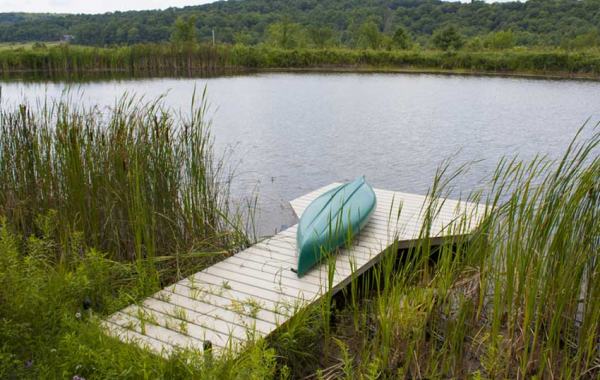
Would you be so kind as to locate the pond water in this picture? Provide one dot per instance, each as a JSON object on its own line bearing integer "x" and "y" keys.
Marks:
{"x": 291, "y": 133}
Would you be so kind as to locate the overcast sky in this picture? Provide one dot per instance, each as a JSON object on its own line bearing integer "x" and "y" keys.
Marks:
{"x": 91, "y": 6}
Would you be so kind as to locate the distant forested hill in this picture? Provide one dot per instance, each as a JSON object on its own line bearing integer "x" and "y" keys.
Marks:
{"x": 535, "y": 22}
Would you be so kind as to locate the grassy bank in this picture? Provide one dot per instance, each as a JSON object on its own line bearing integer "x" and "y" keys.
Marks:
{"x": 27, "y": 45}
{"x": 153, "y": 58}
{"x": 93, "y": 201}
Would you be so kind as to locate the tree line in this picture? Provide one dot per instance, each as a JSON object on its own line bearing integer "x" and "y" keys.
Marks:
{"x": 374, "y": 24}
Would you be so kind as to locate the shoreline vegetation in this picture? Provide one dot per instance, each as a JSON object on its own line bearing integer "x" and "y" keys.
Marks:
{"x": 137, "y": 181}
{"x": 208, "y": 59}
{"x": 100, "y": 208}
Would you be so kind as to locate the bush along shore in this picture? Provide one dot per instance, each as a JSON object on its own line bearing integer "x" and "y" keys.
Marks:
{"x": 156, "y": 58}
{"x": 98, "y": 207}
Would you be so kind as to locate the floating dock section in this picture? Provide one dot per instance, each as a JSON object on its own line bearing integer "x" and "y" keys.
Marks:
{"x": 248, "y": 295}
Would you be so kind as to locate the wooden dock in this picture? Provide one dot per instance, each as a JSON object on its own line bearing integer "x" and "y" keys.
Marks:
{"x": 248, "y": 295}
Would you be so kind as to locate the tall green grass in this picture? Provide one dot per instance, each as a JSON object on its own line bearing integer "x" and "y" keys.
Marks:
{"x": 46, "y": 333}
{"x": 156, "y": 58}
{"x": 142, "y": 57}
{"x": 137, "y": 181}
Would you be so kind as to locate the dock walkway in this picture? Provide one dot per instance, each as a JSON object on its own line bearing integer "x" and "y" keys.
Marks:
{"x": 248, "y": 295}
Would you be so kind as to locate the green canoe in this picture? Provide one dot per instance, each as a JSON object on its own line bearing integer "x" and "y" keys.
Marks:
{"x": 331, "y": 219}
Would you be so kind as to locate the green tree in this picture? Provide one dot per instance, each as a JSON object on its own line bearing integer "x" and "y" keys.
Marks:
{"x": 474, "y": 44}
{"x": 243, "y": 37}
{"x": 121, "y": 35}
{"x": 133, "y": 35}
{"x": 320, "y": 37}
{"x": 588, "y": 40}
{"x": 369, "y": 36}
{"x": 448, "y": 38}
{"x": 500, "y": 40}
{"x": 184, "y": 31}
{"x": 401, "y": 38}
{"x": 534, "y": 23}
{"x": 284, "y": 34}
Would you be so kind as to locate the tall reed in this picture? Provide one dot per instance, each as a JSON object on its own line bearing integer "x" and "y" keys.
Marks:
{"x": 167, "y": 58}
{"x": 137, "y": 180}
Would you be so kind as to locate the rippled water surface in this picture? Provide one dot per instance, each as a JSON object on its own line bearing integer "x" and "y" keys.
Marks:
{"x": 292, "y": 133}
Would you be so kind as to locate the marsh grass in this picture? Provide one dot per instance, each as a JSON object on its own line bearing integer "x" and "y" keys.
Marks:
{"x": 138, "y": 180}
{"x": 205, "y": 58}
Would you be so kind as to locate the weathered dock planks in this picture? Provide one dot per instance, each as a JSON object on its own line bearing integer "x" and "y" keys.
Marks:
{"x": 248, "y": 295}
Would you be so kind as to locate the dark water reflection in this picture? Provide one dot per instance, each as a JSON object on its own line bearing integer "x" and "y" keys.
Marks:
{"x": 83, "y": 77}
{"x": 292, "y": 133}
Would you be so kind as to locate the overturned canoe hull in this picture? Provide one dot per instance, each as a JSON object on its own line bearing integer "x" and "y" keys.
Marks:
{"x": 333, "y": 219}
